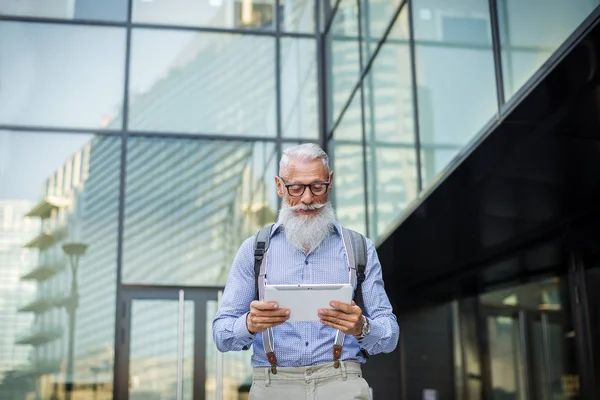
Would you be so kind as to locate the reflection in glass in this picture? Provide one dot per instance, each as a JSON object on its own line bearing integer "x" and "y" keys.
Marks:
{"x": 153, "y": 352}
{"x": 190, "y": 82}
{"x": 348, "y": 166}
{"x": 456, "y": 85}
{"x": 189, "y": 205}
{"x": 106, "y": 10}
{"x": 228, "y": 14}
{"x": 531, "y": 341}
{"x": 344, "y": 59}
{"x": 237, "y": 370}
{"x": 391, "y": 153}
{"x": 62, "y": 189}
{"x": 525, "y": 45}
{"x": 506, "y": 358}
{"x": 299, "y": 97}
{"x": 298, "y": 15}
{"x": 44, "y": 84}
{"x": 376, "y": 17}
{"x": 349, "y": 189}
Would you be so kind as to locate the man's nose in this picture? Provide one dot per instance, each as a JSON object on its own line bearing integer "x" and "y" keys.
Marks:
{"x": 307, "y": 196}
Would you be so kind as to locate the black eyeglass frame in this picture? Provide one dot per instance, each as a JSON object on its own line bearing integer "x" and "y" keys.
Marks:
{"x": 287, "y": 186}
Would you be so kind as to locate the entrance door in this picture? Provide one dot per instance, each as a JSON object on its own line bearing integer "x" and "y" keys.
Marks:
{"x": 164, "y": 338}
{"x": 527, "y": 353}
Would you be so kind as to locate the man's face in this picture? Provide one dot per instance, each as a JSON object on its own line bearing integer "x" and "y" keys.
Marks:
{"x": 304, "y": 172}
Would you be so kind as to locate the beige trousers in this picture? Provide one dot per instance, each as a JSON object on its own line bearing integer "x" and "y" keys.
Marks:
{"x": 320, "y": 382}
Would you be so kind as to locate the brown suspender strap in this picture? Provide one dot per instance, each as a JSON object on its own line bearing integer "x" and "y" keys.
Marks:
{"x": 273, "y": 361}
{"x": 337, "y": 353}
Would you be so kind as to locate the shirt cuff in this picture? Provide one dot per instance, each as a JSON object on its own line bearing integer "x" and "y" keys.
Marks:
{"x": 373, "y": 337}
{"x": 241, "y": 333}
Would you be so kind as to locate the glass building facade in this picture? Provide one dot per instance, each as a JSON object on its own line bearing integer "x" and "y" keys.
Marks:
{"x": 139, "y": 140}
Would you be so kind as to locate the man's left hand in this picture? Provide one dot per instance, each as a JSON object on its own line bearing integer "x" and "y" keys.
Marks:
{"x": 345, "y": 317}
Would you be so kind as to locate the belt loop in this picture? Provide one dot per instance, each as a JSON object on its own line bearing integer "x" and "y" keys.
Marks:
{"x": 267, "y": 377}
{"x": 344, "y": 373}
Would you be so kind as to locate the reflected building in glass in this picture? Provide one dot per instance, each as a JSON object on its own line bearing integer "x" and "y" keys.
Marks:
{"x": 17, "y": 287}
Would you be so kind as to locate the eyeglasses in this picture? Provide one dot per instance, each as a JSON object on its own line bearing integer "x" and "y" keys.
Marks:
{"x": 297, "y": 189}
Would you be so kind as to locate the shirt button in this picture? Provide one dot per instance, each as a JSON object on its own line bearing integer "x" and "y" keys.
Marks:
{"x": 306, "y": 262}
{"x": 309, "y": 372}
{"x": 306, "y": 343}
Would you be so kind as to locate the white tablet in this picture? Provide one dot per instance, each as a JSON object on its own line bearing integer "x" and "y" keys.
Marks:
{"x": 304, "y": 301}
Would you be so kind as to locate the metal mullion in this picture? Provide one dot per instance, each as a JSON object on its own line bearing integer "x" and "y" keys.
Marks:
{"x": 148, "y": 134}
{"x": 497, "y": 54}
{"x": 50, "y": 130}
{"x": 581, "y": 321}
{"x": 415, "y": 98}
{"x": 60, "y": 21}
{"x": 121, "y": 361}
{"x": 277, "y": 17}
{"x": 371, "y": 102}
{"x": 362, "y": 119}
{"x": 121, "y": 358}
{"x": 278, "y": 133}
{"x": 322, "y": 81}
{"x": 365, "y": 71}
{"x": 113, "y": 24}
{"x": 331, "y": 16}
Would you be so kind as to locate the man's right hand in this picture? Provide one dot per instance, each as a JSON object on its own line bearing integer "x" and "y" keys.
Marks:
{"x": 264, "y": 315}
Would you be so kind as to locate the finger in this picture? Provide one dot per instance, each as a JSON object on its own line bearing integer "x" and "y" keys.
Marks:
{"x": 281, "y": 312}
{"x": 263, "y": 305}
{"x": 337, "y": 323}
{"x": 263, "y": 327}
{"x": 325, "y": 312}
{"x": 269, "y": 319}
{"x": 347, "y": 308}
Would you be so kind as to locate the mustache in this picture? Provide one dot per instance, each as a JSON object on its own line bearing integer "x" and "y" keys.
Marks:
{"x": 307, "y": 207}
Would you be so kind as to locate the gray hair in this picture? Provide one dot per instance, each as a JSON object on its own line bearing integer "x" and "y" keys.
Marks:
{"x": 304, "y": 152}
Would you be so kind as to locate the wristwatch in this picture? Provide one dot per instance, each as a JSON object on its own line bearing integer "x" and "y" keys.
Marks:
{"x": 366, "y": 328}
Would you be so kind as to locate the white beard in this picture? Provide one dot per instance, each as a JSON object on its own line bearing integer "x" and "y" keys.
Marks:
{"x": 306, "y": 232}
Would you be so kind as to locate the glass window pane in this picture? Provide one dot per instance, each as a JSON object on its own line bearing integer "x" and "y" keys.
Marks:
{"x": 153, "y": 349}
{"x": 455, "y": 74}
{"x": 190, "y": 204}
{"x": 59, "y": 75}
{"x": 105, "y": 10}
{"x": 299, "y": 96}
{"x": 344, "y": 58}
{"x": 389, "y": 119}
{"x": 530, "y": 31}
{"x": 376, "y": 17}
{"x": 350, "y": 128}
{"x": 189, "y": 82}
{"x": 58, "y": 189}
{"x": 230, "y": 14}
{"x": 346, "y": 152}
{"x": 542, "y": 310}
{"x": 349, "y": 186}
{"x": 298, "y": 16}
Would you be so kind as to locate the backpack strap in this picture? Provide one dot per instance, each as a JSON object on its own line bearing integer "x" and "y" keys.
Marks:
{"x": 359, "y": 250}
{"x": 356, "y": 249}
{"x": 261, "y": 245}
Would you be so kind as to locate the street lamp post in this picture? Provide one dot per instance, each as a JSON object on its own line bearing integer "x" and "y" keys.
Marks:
{"x": 74, "y": 251}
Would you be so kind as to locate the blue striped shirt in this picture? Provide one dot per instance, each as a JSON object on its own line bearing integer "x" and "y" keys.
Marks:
{"x": 302, "y": 343}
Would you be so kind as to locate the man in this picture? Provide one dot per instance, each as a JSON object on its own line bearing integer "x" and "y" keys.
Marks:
{"x": 306, "y": 246}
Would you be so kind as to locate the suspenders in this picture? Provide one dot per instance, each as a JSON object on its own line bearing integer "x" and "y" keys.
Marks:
{"x": 355, "y": 247}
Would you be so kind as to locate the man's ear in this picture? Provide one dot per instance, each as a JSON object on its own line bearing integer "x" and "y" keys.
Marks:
{"x": 279, "y": 186}
{"x": 330, "y": 180}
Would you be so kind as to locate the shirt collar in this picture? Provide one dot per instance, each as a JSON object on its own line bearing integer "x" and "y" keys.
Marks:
{"x": 277, "y": 227}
